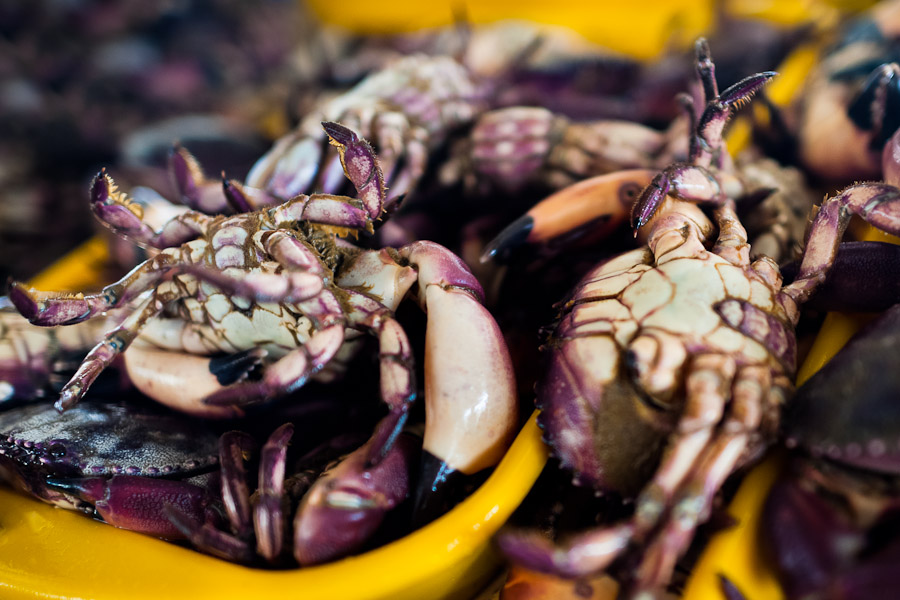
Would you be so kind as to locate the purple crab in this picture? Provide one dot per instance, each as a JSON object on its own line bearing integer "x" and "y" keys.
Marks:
{"x": 669, "y": 365}
{"x": 277, "y": 289}
{"x": 132, "y": 456}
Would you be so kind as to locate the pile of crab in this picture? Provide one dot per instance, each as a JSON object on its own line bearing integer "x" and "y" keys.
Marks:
{"x": 662, "y": 362}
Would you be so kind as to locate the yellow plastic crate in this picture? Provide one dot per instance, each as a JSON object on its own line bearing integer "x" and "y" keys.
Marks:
{"x": 47, "y": 552}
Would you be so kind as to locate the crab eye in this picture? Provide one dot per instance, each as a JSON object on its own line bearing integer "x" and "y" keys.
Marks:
{"x": 628, "y": 192}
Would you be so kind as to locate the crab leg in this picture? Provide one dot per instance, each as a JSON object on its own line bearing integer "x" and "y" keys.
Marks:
{"x": 235, "y": 494}
{"x": 707, "y": 385}
{"x": 877, "y": 204}
{"x": 693, "y": 501}
{"x": 138, "y": 503}
{"x": 470, "y": 393}
{"x": 114, "y": 343}
{"x": 398, "y": 385}
{"x": 596, "y": 206}
{"x": 54, "y": 308}
{"x": 707, "y": 389}
{"x": 732, "y": 241}
{"x": 213, "y": 197}
{"x": 268, "y": 516}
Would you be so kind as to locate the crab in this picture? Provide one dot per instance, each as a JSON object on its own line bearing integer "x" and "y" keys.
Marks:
{"x": 408, "y": 108}
{"x": 830, "y": 520}
{"x": 850, "y": 102}
{"x": 512, "y": 148}
{"x": 136, "y": 458}
{"x": 669, "y": 364}
{"x": 276, "y": 288}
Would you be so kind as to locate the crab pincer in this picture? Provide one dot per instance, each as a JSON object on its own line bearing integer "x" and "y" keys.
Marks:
{"x": 471, "y": 410}
{"x": 593, "y": 207}
{"x": 348, "y": 503}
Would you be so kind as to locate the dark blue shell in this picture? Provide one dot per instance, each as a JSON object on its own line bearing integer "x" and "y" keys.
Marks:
{"x": 96, "y": 438}
{"x": 850, "y": 410}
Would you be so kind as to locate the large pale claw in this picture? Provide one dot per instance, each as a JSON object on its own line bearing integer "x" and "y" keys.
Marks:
{"x": 347, "y": 504}
{"x": 182, "y": 381}
{"x": 593, "y": 207}
{"x": 470, "y": 393}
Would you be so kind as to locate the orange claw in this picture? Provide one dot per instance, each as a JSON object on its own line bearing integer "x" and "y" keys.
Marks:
{"x": 601, "y": 203}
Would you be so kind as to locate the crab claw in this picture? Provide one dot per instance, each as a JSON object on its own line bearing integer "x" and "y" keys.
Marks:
{"x": 348, "y": 503}
{"x": 360, "y": 166}
{"x": 181, "y": 381}
{"x": 651, "y": 198}
{"x": 877, "y": 106}
{"x": 137, "y": 503}
{"x": 194, "y": 188}
{"x": 115, "y": 210}
{"x": 46, "y": 309}
{"x": 593, "y": 207}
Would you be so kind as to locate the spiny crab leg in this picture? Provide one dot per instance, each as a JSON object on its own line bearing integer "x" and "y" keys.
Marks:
{"x": 876, "y": 203}
{"x": 707, "y": 148}
{"x": 694, "y": 181}
{"x": 470, "y": 392}
{"x": 138, "y": 503}
{"x": 599, "y": 204}
{"x": 363, "y": 171}
{"x": 397, "y": 376}
{"x": 348, "y": 503}
{"x": 126, "y": 217}
{"x": 114, "y": 343}
{"x": 53, "y": 308}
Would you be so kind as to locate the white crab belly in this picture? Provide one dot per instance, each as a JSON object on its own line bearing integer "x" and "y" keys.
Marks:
{"x": 681, "y": 296}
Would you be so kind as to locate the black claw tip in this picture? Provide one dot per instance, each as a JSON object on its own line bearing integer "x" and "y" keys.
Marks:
{"x": 877, "y": 104}
{"x": 338, "y": 133}
{"x": 513, "y": 235}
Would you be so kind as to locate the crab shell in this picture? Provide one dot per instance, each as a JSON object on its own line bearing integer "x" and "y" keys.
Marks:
{"x": 847, "y": 412}
{"x": 99, "y": 440}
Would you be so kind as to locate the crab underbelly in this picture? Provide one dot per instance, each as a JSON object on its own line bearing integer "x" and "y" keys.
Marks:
{"x": 272, "y": 326}
{"x": 684, "y": 298}
{"x": 222, "y": 324}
